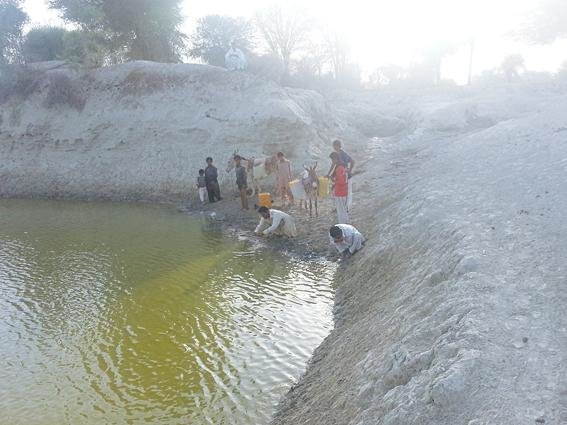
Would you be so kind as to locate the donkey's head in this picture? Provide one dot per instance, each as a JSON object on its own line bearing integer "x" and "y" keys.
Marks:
{"x": 312, "y": 178}
{"x": 230, "y": 163}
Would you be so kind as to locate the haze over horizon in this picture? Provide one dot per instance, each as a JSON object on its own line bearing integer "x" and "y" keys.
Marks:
{"x": 385, "y": 32}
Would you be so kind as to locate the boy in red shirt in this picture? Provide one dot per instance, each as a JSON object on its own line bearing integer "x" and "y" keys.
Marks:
{"x": 339, "y": 177}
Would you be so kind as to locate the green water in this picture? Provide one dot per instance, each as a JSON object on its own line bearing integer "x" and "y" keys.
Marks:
{"x": 114, "y": 314}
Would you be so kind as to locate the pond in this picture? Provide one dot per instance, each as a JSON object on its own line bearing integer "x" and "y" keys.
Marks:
{"x": 130, "y": 313}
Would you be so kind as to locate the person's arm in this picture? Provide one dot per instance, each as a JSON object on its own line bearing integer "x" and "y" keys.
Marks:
{"x": 276, "y": 220}
{"x": 331, "y": 170}
{"x": 332, "y": 241}
{"x": 340, "y": 248}
{"x": 352, "y": 247}
{"x": 215, "y": 173}
{"x": 350, "y": 166}
{"x": 259, "y": 227}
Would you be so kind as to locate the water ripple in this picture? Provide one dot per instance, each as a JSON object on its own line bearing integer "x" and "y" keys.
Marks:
{"x": 135, "y": 314}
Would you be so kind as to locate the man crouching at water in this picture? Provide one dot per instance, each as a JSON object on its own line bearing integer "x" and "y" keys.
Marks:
{"x": 346, "y": 238}
{"x": 275, "y": 222}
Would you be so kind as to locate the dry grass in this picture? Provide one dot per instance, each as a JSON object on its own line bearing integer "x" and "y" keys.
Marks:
{"x": 138, "y": 83}
{"x": 19, "y": 83}
{"x": 62, "y": 91}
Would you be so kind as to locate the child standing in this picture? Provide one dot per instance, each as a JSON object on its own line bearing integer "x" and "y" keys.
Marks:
{"x": 241, "y": 182}
{"x": 202, "y": 186}
{"x": 283, "y": 178}
{"x": 340, "y": 189}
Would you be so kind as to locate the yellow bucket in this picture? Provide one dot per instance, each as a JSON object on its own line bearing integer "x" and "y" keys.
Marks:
{"x": 265, "y": 200}
{"x": 323, "y": 191}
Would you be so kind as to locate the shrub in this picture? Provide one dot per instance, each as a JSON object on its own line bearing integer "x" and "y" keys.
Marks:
{"x": 84, "y": 48}
{"x": 266, "y": 66}
{"x": 43, "y": 44}
{"x": 62, "y": 91}
{"x": 140, "y": 82}
{"x": 18, "y": 82}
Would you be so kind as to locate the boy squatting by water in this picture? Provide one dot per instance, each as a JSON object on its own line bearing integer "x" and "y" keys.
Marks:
{"x": 275, "y": 222}
{"x": 346, "y": 238}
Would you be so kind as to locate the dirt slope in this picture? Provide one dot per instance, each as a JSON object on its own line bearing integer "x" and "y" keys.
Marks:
{"x": 454, "y": 312}
{"x": 142, "y": 130}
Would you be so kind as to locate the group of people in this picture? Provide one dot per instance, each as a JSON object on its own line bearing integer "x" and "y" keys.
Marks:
{"x": 345, "y": 237}
{"x": 208, "y": 183}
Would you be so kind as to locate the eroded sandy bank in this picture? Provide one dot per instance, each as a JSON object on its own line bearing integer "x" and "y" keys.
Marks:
{"x": 454, "y": 311}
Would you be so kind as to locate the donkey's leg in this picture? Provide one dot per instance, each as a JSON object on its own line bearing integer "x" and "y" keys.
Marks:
{"x": 316, "y": 208}
{"x": 255, "y": 188}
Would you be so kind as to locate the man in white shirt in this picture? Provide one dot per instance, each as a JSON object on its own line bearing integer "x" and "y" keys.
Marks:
{"x": 234, "y": 59}
{"x": 275, "y": 222}
{"x": 346, "y": 238}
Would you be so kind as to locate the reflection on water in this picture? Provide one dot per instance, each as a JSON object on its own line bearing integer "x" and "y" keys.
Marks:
{"x": 134, "y": 314}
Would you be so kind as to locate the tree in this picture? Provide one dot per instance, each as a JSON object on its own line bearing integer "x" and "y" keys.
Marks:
{"x": 138, "y": 29}
{"x": 12, "y": 21}
{"x": 285, "y": 34}
{"x": 215, "y": 33}
{"x": 338, "y": 52}
{"x": 43, "y": 44}
{"x": 432, "y": 59}
{"x": 512, "y": 65}
{"x": 547, "y": 23}
{"x": 85, "y": 48}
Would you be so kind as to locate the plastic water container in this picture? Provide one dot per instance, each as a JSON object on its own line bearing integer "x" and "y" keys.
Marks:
{"x": 323, "y": 187}
{"x": 297, "y": 189}
{"x": 265, "y": 200}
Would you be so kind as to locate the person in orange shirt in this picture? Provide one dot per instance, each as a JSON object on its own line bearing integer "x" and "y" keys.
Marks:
{"x": 339, "y": 177}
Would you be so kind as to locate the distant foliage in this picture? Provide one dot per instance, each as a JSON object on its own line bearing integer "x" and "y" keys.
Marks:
{"x": 285, "y": 33}
{"x": 85, "y": 48}
{"x": 337, "y": 53}
{"x": 132, "y": 29}
{"x": 511, "y": 67}
{"x": 547, "y": 22}
{"x": 214, "y": 34}
{"x": 429, "y": 69}
{"x": 43, "y": 44}
{"x": 267, "y": 66}
{"x": 12, "y": 21}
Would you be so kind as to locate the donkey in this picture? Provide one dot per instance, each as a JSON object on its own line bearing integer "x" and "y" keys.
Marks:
{"x": 257, "y": 168}
{"x": 311, "y": 186}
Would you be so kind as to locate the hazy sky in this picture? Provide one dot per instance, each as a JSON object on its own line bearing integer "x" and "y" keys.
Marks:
{"x": 390, "y": 31}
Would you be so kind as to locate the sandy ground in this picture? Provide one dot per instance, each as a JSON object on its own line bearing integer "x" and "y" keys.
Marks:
{"x": 454, "y": 312}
